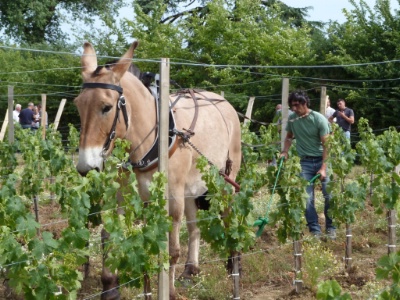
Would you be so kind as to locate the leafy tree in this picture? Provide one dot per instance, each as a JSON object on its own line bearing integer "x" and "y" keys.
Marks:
{"x": 232, "y": 49}
{"x": 38, "y": 21}
{"x": 370, "y": 35}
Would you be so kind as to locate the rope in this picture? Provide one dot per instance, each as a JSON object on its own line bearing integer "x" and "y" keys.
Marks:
{"x": 261, "y": 222}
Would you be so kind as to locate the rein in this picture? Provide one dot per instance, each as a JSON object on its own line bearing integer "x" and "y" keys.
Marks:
{"x": 121, "y": 105}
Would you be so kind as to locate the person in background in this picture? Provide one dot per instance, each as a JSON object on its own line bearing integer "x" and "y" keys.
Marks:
{"x": 26, "y": 116}
{"x": 16, "y": 113}
{"x": 344, "y": 117}
{"x": 40, "y": 116}
{"x": 36, "y": 118}
{"x": 311, "y": 130}
{"x": 329, "y": 110}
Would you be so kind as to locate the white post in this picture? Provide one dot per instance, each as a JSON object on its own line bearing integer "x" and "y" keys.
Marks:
{"x": 163, "y": 276}
{"x": 285, "y": 109}
{"x": 4, "y": 127}
{"x": 43, "y": 120}
{"x": 322, "y": 108}
{"x": 59, "y": 113}
{"x": 249, "y": 109}
{"x": 10, "y": 114}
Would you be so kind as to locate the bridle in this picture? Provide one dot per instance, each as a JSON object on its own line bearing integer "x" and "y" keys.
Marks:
{"x": 121, "y": 105}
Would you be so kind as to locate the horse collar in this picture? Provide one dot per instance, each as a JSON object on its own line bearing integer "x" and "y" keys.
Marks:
{"x": 121, "y": 105}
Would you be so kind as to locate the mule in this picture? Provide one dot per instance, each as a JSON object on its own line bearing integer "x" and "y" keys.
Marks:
{"x": 205, "y": 123}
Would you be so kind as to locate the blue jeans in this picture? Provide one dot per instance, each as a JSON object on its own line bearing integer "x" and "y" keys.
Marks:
{"x": 309, "y": 168}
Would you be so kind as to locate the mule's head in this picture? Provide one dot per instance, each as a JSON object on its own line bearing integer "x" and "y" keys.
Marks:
{"x": 99, "y": 106}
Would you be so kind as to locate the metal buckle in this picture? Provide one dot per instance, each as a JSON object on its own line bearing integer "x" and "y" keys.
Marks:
{"x": 121, "y": 101}
{"x": 112, "y": 135}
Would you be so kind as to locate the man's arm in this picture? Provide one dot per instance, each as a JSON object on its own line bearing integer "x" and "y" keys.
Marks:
{"x": 330, "y": 119}
{"x": 322, "y": 171}
{"x": 349, "y": 119}
{"x": 287, "y": 144}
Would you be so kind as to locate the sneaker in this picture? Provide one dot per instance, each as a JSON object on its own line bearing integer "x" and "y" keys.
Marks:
{"x": 316, "y": 234}
{"x": 331, "y": 234}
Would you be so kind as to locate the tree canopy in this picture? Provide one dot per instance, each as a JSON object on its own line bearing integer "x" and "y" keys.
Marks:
{"x": 241, "y": 47}
{"x": 36, "y": 21}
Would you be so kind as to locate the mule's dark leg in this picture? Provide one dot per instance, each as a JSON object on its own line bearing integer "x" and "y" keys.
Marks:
{"x": 192, "y": 262}
{"x": 109, "y": 280}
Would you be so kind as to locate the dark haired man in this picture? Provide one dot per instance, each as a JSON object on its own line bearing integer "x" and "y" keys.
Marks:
{"x": 26, "y": 116}
{"x": 344, "y": 117}
{"x": 311, "y": 130}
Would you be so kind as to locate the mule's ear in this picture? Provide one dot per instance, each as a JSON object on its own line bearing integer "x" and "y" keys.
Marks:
{"x": 125, "y": 61}
{"x": 88, "y": 61}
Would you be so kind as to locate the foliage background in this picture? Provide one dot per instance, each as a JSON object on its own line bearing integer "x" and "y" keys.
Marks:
{"x": 241, "y": 47}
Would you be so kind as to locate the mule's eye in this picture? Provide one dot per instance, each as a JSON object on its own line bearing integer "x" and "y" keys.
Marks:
{"x": 106, "y": 109}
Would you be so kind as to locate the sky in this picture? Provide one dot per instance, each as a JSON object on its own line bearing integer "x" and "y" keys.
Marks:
{"x": 325, "y": 10}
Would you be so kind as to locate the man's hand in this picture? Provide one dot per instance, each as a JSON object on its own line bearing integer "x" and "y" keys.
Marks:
{"x": 322, "y": 171}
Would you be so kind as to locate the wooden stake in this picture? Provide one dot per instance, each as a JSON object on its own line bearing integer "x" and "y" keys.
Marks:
{"x": 59, "y": 113}
{"x": 147, "y": 287}
{"x": 10, "y": 114}
{"x": 249, "y": 110}
{"x": 322, "y": 107}
{"x": 4, "y": 127}
{"x": 285, "y": 108}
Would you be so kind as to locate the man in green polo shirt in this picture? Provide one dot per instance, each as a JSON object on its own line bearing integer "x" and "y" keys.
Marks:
{"x": 310, "y": 129}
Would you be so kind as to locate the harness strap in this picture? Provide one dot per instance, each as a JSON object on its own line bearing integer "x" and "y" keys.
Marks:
{"x": 106, "y": 86}
{"x": 121, "y": 105}
{"x": 196, "y": 112}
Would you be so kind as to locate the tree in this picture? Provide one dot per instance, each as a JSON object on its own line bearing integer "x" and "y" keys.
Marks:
{"x": 370, "y": 37}
{"x": 39, "y": 21}
{"x": 233, "y": 38}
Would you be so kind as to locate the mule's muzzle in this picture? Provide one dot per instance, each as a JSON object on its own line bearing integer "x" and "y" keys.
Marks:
{"x": 84, "y": 173}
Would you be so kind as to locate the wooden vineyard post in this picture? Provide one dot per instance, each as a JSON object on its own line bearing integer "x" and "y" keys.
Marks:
{"x": 322, "y": 108}
{"x": 10, "y": 114}
{"x": 391, "y": 231}
{"x": 285, "y": 108}
{"x": 36, "y": 209}
{"x": 236, "y": 275}
{"x": 249, "y": 110}
{"x": 147, "y": 287}
{"x": 163, "y": 276}
{"x": 59, "y": 113}
{"x": 298, "y": 283}
{"x": 4, "y": 127}
{"x": 347, "y": 257}
{"x": 43, "y": 120}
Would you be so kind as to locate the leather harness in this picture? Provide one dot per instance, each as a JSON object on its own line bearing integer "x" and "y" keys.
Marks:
{"x": 150, "y": 159}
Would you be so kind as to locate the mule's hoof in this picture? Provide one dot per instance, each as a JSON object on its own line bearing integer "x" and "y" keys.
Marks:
{"x": 185, "y": 282}
{"x": 110, "y": 295}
